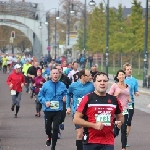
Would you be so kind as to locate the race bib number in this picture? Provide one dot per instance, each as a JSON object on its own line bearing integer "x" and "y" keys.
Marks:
{"x": 125, "y": 112}
{"x": 130, "y": 106}
{"x": 105, "y": 118}
{"x": 54, "y": 104}
{"x": 79, "y": 101}
{"x": 13, "y": 92}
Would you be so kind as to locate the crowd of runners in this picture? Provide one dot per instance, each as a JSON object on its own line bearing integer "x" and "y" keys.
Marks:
{"x": 62, "y": 88}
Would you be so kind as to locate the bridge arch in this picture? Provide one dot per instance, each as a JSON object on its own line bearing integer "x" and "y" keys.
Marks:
{"x": 40, "y": 41}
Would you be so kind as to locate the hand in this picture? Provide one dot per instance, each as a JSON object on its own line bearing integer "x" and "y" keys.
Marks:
{"x": 119, "y": 124}
{"x": 34, "y": 84}
{"x": 48, "y": 104}
{"x": 64, "y": 99}
{"x": 137, "y": 94}
{"x": 32, "y": 76}
{"x": 98, "y": 126}
{"x": 22, "y": 84}
{"x": 41, "y": 82}
{"x": 68, "y": 111}
{"x": 129, "y": 100}
{"x": 11, "y": 85}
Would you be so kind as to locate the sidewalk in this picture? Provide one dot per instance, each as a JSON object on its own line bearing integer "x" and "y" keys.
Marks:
{"x": 140, "y": 83}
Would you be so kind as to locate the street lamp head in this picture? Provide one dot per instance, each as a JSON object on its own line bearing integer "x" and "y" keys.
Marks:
{"x": 46, "y": 23}
{"x": 72, "y": 11}
{"x": 40, "y": 27}
{"x": 57, "y": 18}
{"x": 92, "y": 3}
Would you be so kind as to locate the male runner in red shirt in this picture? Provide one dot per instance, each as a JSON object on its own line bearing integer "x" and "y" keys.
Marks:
{"x": 96, "y": 114}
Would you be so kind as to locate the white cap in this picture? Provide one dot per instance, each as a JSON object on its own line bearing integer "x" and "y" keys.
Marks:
{"x": 17, "y": 66}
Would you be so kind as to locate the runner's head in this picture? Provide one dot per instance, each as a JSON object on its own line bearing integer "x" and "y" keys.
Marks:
{"x": 120, "y": 76}
{"x": 94, "y": 67}
{"x": 39, "y": 72}
{"x": 127, "y": 67}
{"x": 17, "y": 68}
{"x": 75, "y": 65}
{"x": 54, "y": 74}
{"x": 85, "y": 75}
{"x": 36, "y": 64}
{"x": 70, "y": 65}
{"x": 58, "y": 66}
{"x": 101, "y": 83}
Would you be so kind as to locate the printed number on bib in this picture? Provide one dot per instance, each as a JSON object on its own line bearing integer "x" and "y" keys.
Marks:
{"x": 125, "y": 112}
{"x": 130, "y": 106}
{"x": 54, "y": 104}
{"x": 79, "y": 101}
{"x": 13, "y": 92}
{"x": 105, "y": 118}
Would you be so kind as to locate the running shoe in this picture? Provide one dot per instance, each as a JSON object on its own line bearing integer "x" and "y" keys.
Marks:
{"x": 48, "y": 142}
{"x": 12, "y": 107}
{"x": 59, "y": 135}
{"x": 127, "y": 145}
{"x": 61, "y": 126}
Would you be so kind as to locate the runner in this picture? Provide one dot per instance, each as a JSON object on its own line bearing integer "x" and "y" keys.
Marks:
{"x": 78, "y": 89}
{"x": 9, "y": 63}
{"x": 16, "y": 82}
{"x": 51, "y": 96}
{"x": 4, "y": 64}
{"x": 25, "y": 68}
{"x": 62, "y": 78}
{"x": 121, "y": 91}
{"x": 133, "y": 84}
{"x": 32, "y": 73}
{"x": 73, "y": 76}
{"x": 37, "y": 83}
{"x": 96, "y": 113}
{"x": 93, "y": 70}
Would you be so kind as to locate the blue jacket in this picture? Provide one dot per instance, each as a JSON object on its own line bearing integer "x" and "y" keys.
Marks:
{"x": 53, "y": 92}
{"x": 133, "y": 84}
{"x": 47, "y": 72}
{"x": 78, "y": 90}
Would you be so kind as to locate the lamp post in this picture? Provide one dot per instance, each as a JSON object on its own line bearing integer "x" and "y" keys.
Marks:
{"x": 48, "y": 23}
{"x": 48, "y": 20}
{"x": 84, "y": 29}
{"x": 107, "y": 35}
{"x": 91, "y": 3}
{"x": 55, "y": 34}
{"x": 145, "y": 61}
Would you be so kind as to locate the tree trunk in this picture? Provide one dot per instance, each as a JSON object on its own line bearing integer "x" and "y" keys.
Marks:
{"x": 102, "y": 62}
{"x": 148, "y": 64}
{"x": 114, "y": 63}
{"x": 139, "y": 63}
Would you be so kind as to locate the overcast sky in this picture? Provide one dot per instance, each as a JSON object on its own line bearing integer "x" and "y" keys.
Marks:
{"x": 54, "y": 3}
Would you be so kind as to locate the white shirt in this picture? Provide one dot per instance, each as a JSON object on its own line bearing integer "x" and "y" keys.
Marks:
{"x": 9, "y": 60}
{"x": 71, "y": 73}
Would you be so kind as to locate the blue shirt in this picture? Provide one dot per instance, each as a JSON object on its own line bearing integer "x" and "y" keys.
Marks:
{"x": 78, "y": 90}
{"x": 47, "y": 72}
{"x": 53, "y": 92}
{"x": 133, "y": 84}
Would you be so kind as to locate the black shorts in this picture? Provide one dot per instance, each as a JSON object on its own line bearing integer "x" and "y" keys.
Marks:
{"x": 98, "y": 147}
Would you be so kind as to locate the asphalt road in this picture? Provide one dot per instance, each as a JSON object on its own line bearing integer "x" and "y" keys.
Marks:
{"x": 27, "y": 132}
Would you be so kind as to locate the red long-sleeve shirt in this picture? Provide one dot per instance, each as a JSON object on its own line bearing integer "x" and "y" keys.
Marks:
{"x": 16, "y": 79}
